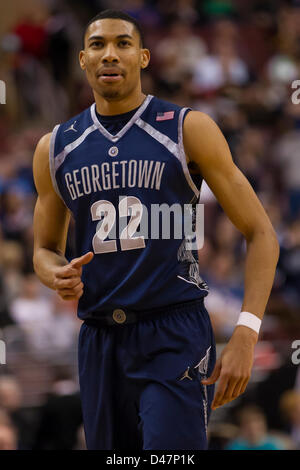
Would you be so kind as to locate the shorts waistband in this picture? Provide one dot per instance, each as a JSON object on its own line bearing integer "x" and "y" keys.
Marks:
{"x": 124, "y": 316}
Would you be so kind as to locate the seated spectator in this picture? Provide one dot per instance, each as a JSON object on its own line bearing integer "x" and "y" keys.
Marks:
{"x": 290, "y": 408}
{"x": 222, "y": 67}
{"x": 253, "y": 432}
{"x": 15, "y": 428}
{"x": 5, "y": 318}
{"x": 12, "y": 263}
{"x": 8, "y": 437}
{"x": 49, "y": 324}
{"x": 142, "y": 11}
{"x": 60, "y": 417}
{"x": 225, "y": 298}
{"x": 177, "y": 55}
{"x": 289, "y": 263}
{"x": 287, "y": 154}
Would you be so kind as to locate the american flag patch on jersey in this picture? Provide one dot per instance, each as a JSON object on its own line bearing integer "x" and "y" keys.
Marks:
{"x": 165, "y": 116}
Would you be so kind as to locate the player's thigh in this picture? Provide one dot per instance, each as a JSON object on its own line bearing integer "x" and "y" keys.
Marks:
{"x": 174, "y": 417}
{"x": 108, "y": 403}
{"x": 128, "y": 435}
{"x": 96, "y": 378}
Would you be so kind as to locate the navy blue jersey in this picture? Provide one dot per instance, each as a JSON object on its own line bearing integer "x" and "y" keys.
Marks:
{"x": 111, "y": 183}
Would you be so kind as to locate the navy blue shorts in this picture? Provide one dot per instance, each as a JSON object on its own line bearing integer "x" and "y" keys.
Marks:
{"x": 140, "y": 383}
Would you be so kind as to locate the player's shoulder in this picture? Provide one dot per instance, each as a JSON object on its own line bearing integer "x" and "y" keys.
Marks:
{"x": 42, "y": 149}
{"x": 203, "y": 140}
{"x": 199, "y": 119}
{"x": 44, "y": 142}
{"x": 40, "y": 164}
{"x": 202, "y": 132}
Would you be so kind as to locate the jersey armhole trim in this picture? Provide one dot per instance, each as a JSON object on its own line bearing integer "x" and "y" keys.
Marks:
{"x": 181, "y": 151}
{"x": 52, "y": 163}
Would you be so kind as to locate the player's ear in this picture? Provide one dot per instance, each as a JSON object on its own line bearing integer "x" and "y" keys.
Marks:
{"x": 145, "y": 58}
{"x": 82, "y": 59}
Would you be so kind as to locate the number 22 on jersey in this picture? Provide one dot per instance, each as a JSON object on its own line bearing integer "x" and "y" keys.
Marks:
{"x": 104, "y": 210}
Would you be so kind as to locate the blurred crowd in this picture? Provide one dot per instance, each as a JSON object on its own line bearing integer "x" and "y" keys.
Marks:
{"x": 235, "y": 61}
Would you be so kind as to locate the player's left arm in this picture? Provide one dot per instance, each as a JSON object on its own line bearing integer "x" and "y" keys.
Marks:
{"x": 207, "y": 148}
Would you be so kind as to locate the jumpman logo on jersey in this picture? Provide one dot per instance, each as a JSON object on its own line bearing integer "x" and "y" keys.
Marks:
{"x": 186, "y": 375}
{"x": 72, "y": 128}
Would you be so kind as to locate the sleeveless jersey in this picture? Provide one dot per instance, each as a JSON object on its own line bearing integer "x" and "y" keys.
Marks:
{"x": 111, "y": 183}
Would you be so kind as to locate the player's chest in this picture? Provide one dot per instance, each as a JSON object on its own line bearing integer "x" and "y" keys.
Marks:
{"x": 102, "y": 166}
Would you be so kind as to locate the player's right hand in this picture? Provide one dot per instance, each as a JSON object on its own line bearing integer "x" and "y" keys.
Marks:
{"x": 67, "y": 279}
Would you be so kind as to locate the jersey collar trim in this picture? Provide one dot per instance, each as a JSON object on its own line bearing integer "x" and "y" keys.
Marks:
{"x": 116, "y": 137}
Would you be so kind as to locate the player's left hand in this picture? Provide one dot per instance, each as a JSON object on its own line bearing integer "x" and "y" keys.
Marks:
{"x": 233, "y": 368}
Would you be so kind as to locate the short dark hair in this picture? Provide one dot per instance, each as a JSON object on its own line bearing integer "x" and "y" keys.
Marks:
{"x": 117, "y": 15}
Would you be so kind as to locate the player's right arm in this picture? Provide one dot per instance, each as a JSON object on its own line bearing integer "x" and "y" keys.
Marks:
{"x": 51, "y": 222}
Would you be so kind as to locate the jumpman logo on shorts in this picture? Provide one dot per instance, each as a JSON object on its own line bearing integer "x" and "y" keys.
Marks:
{"x": 72, "y": 128}
{"x": 186, "y": 374}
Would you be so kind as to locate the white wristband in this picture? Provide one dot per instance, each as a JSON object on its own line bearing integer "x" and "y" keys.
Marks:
{"x": 250, "y": 320}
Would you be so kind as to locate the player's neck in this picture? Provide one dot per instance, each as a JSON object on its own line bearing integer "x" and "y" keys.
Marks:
{"x": 109, "y": 108}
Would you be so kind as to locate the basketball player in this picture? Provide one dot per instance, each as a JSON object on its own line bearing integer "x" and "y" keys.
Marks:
{"x": 147, "y": 365}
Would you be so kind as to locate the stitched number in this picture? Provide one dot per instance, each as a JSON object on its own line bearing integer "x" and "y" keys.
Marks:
{"x": 99, "y": 244}
{"x": 105, "y": 211}
{"x": 127, "y": 241}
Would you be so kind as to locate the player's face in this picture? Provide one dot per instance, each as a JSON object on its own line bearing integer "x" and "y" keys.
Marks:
{"x": 113, "y": 58}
